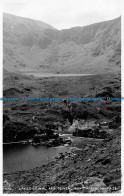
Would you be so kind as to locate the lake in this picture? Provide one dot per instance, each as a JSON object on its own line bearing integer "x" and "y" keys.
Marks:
{"x": 18, "y": 157}
{"x": 46, "y": 75}
{"x": 23, "y": 157}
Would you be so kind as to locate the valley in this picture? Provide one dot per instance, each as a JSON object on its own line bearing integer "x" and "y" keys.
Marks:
{"x": 81, "y": 137}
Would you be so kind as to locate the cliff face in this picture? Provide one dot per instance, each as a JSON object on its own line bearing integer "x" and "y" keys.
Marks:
{"x": 34, "y": 45}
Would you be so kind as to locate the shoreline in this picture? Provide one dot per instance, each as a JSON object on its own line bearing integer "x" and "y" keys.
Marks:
{"x": 7, "y": 143}
{"x": 77, "y": 161}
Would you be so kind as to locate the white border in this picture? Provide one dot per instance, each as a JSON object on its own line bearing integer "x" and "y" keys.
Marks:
{"x": 1, "y": 94}
{"x": 122, "y": 91}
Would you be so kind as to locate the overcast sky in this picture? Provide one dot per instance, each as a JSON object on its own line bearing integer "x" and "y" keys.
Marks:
{"x": 65, "y": 13}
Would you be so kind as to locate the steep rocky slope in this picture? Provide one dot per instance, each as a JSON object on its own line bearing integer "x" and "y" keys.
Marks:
{"x": 34, "y": 45}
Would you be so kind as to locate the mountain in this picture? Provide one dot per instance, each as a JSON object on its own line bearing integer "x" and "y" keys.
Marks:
{"x": 30, "y": 45}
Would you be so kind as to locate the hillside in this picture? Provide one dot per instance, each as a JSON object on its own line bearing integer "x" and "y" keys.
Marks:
{"x": 92, "y": 163}
{"x": 31, "y": 45}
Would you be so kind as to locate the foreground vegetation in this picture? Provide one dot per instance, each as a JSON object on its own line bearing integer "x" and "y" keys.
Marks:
{"x": 96, "y": 160}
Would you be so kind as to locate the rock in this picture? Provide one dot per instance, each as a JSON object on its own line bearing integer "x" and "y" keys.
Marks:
{"x": 91, "y": 133}
{"x": 5, "y": 118}
{"x": 103, "y": 161}
{"x": 95, "y": 185}
{"x": 11, "y": 92}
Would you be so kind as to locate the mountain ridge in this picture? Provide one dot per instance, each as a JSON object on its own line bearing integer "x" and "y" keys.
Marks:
{"x": 76, "y": 50}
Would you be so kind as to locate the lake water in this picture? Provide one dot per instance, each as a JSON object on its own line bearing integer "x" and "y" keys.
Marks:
{"x": 46, "y": 75}
{"x": 18, "y": 157}
{"x": 22, "y": 157}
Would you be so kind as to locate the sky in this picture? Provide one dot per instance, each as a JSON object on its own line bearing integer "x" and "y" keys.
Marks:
{"x": 63, "y": 14}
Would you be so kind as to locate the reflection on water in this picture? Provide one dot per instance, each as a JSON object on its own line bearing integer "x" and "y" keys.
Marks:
{"x": 22, "y": 157}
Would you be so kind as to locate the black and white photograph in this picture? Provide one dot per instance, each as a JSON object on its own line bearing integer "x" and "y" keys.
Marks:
{"x": 62, "y": 97}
